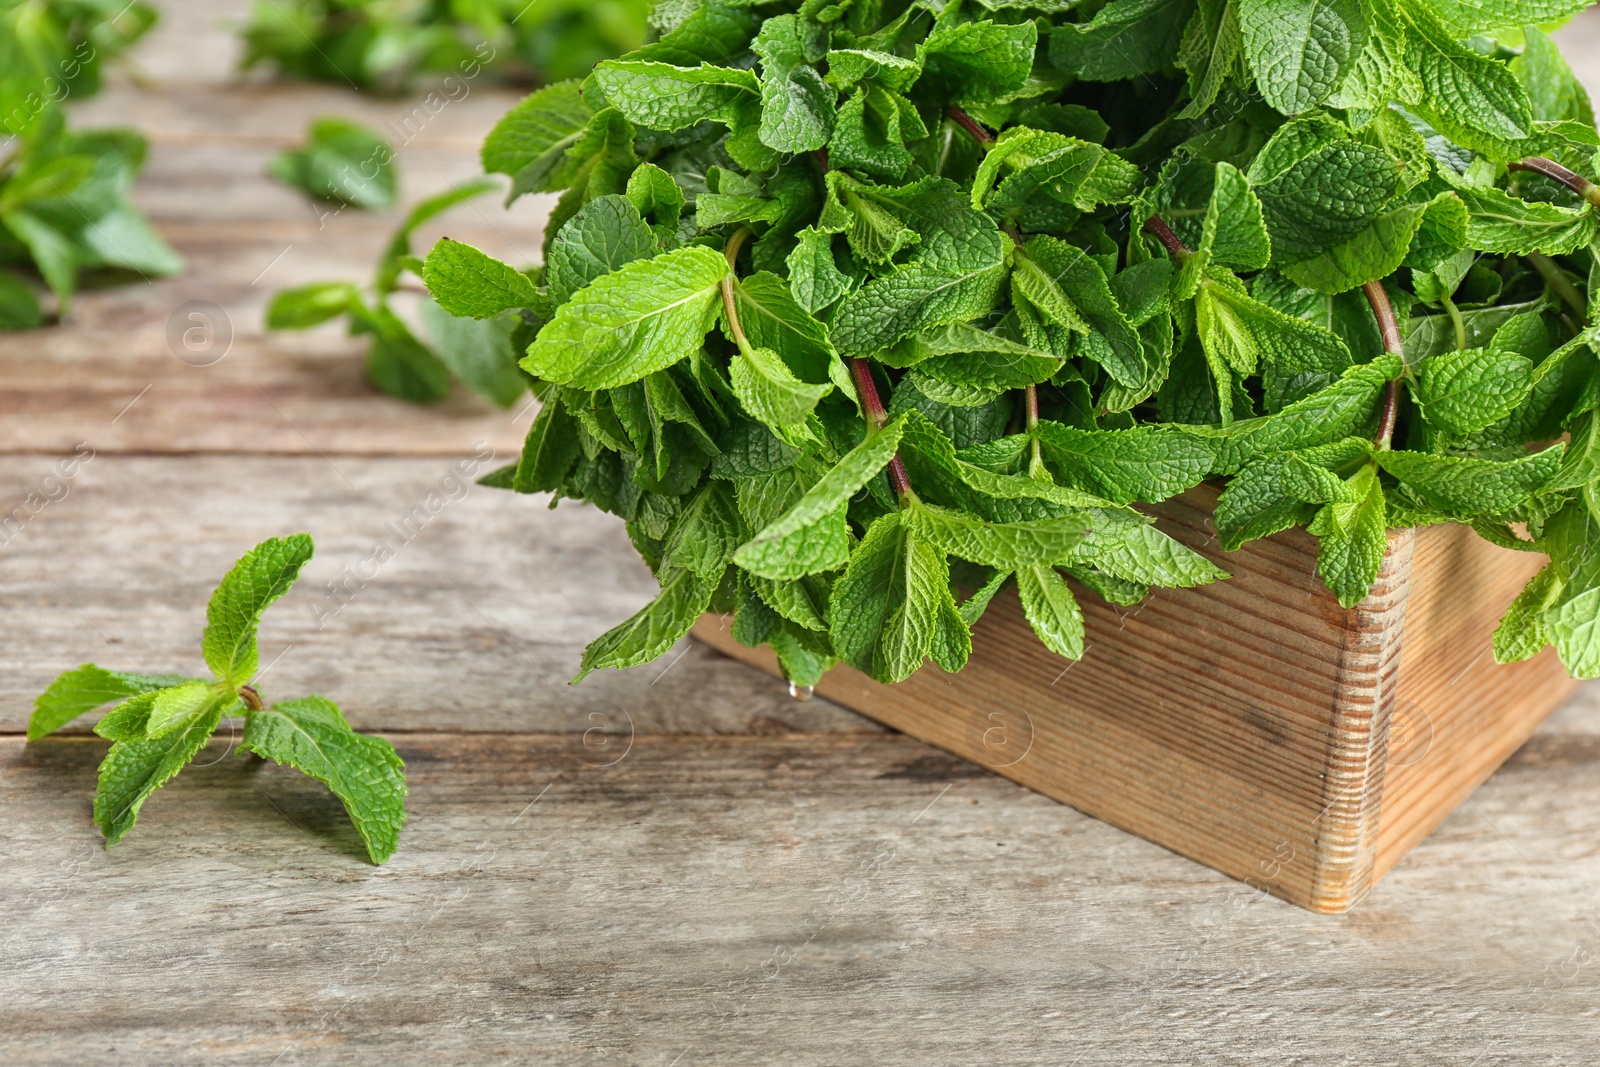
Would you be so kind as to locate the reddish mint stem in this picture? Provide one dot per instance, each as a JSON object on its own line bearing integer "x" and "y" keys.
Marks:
{"x": 970, "y": 124}
{"x": 1157, "y": 226}
{"x": 1394, "y": 345}
{"x": 1556, "y": 172}
{"x": 872, "y": 404}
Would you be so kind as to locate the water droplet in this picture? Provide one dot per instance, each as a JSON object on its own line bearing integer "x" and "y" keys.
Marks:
{"x": 801, "y": 693}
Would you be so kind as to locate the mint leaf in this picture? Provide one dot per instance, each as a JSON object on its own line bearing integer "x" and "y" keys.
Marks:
{"x": 639, "y": 319}
{"x": 1126, "y": 38}
{"x": 1301, "y": 50}
{"x": 1009, "y": 545}
{"x": 1051, "y": 610}
{"x": 467, "y": 283}
{"x": 1466, "y": 391}
{"x": 656, "y": 627}
{"x": 342, "y": 162}
{"x": 1144, "y": 463}
{"x": 309, "y": 305}
{"x": 812, "y": 536}
{"x": 365, "y": 773}
{"x": 531, "y": 141}
{"x": 1464, "y": 486}
{"x": 604, "y": 235}
{"x": 976, "y": 62}
{"x": 132, "y": 770}
{"x": 1353, "y": 537}
{"x": 261, "y": 576}
{"x": 84, "y": 689}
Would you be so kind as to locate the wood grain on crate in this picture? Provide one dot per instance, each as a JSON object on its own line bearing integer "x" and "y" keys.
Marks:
{"x": 1245, "y": 723}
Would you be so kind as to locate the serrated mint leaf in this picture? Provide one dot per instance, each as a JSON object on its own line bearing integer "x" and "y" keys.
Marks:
{"x": 365, "y": 773}
{"x": 1147, "y": 463}
{"x": 910, "y": 299}
{"x": 86, "y": 688}
{"x": 1209, "y": 53}
{"x": 1556, "y": 95}
{"x": 814, "y": 275}
{"x": 1470, "y": 98}
{"x": 632, "y": 322}
{"x": 181, "y": 704}
{"x": 1352, "y": 538}
{"x": 1522, "y": 633}
{"x": 467, "y": 283}
{"x": 1242, "y": 333}
{"x": 530, "y": 142}
{"x": 847, "y": 67}
{"x": 660, "y": 96}
{"x": 1373, "y": 253}
{"x": 892, "y": 606}
{"x": 977, "y": 62}
{"x": 132, "y": 770}
{"x": 772, "y": 319}
{"x": 1467, "y": 391}
{"x": 652, "y": 191}
{"x": 1462, "y": 486}
{"x": 1324, "y": 197}
{"x": 1276, "y": 491}
{"x": 811, "y": 536}
{"x": 1025, "y": 162}
{"x": 803, "y": 602}
{"x": 1500, "y": 222}
{"x": 797, "y": 106}
{"x": 1082, "y": 285}
{"x": 1051, "y": 610}
{"x": 656, "y": 627}
{"x": 769, "y": 390}
{"x": 1301, "y": 50}
{"x": 1466, "y": 17}
{"x": 1124, "y": 39}
{"x": 996, "y": 544}
{"x": 129, "y": 720}
{"x": 260, "y": 577}
{"x": 1125, "y": 546}
{"x": 605, "y": 234}
{"x": 706, "y": 532}
{"x": 1572, "y": 624}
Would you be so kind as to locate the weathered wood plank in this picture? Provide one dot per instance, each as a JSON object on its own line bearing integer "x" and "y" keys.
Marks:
{"x": 475, "y": 621}
{"x": 761, "y": 900}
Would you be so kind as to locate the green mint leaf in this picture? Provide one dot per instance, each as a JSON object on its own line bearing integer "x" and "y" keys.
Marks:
{"x": 1301, "y": 50}
{"x": 19, "y": 307}
{"x": 469, "y": 284}
{"x": 129, "y": 720}
{"x": 1242, "y": 333}
{"x": 1522, "y": 633}
{"x": 1275, "y": 491}
{"x": 606, "y": 234}
{"x": 811, "y": 536}
{"x": 1500, "y": 222}
{"x": 814, "y": 274}
{"x": 365, "y": 773}
{"x": 1352, "y": 538}
{"x": 477, "y": 351}
{"x": 1082, "y": 284}
{"x": 1472, "y": 99}
{"x": 132, "y": 770}
{"x": 1466, "y": 391}
{"x": 655, "y": 628}
{"x": 1052, "y": 610}
{"x": 181, "y": 705}
{"x": 711, "y": 33}
{"x": 261, "y": 576}
{"x": 706, "y": 533}
{"x": 1466, "y": 487}
{"x": 86, "y": 688}
{"x": 1209, "y": 53}
{"x": 769, "y": 390}
{"x": 660, "y": 96}
{"x": 1325, "y": 197}
{"x": 309, "y": 305}
{"x": 1377, "y": 251}
{"x": 1124, "y": 39}
{"x": 871, "y": 131}
{"x": 1127, "y": 547}
{"x": 1466, "y": 17}
{"x": 1556, "y": 95}
{"x": 976, "y": 62}
{"x": 343, "y": 163}
{"x": 1147, "y": 463}
{"x": 639, "y": 319}
{"x": 652, "y": 192}
{"x": 797, "y": 106}
{"x": 1008, "y": 545}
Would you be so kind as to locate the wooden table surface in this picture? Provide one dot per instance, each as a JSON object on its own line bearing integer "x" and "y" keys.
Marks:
{"x": 671, "y": 865}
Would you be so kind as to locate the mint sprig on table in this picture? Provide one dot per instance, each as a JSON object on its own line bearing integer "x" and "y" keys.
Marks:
{"x": 162, "y": 721}
{"x": 422, "y": 369}
{"x": 856, "y": 312}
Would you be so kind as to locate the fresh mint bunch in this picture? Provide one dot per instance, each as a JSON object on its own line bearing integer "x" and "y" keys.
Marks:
{"x": 481, "y": 354}
{"x": 162, "y": 721}
{"x": 856, "y": 311}
{"x": 382, "y": 46}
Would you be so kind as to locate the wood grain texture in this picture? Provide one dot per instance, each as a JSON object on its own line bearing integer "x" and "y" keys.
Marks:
{"x": 804, "y": 900}
{"x": 1245, "y": 724}
{"x": 453, "y": 607}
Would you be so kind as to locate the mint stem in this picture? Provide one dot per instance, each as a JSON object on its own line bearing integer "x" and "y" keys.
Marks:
{"x": 1556, "y": 172}
{"x": 729, "y": 305}
{"x": 970, "y": 124}
{"x": 1558, "y": 282}
{"x": 1394, "y": 345}
{"x": 1157, "y": 227}
{"x": 877, "y": 417}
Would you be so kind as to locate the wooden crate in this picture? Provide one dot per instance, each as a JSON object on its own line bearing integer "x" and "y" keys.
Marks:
{"x": 1253, "y": 725}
